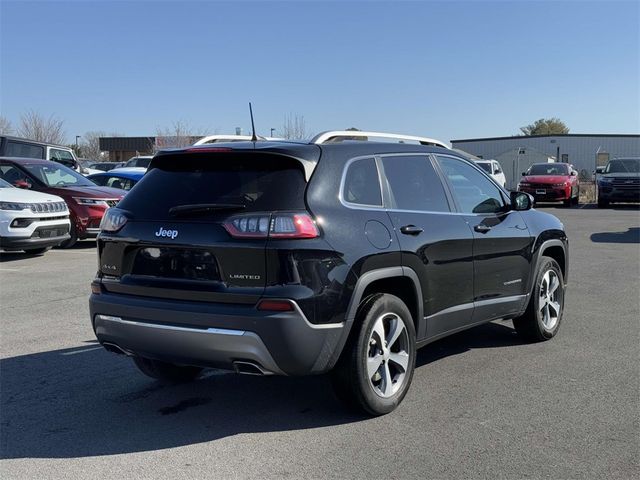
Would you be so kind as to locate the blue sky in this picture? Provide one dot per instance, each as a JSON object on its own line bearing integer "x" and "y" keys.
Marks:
{"x": 442, "y": 69}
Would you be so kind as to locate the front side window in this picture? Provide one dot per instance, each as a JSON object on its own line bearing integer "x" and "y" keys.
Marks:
{"x": 475, "y": 192}
{"x": 61, "y": 155}
{"x": 414, "y": 184}
{"x": 361, "y": 184}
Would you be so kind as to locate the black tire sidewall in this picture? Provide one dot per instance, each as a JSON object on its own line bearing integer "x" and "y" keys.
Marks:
{"x": 372, "y": 402}
{"x": 546, "y": 264}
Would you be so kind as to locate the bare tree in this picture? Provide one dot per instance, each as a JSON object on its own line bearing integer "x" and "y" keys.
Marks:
{"x": 5, "y": 126}
{"x": 36, "y": 127}
{"x": 179, "y": 135}
{"x": 90, "y": 145}
{"x": 294, "y": 127}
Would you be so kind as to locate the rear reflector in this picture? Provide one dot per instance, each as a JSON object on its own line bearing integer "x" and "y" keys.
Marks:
{"x": 276, "y": 225}
{"x": 275, "y": 305}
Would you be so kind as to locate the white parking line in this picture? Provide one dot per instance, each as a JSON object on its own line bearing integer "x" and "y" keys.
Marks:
{"x": 10, "y": 269}
{"x": 82, "y": 351}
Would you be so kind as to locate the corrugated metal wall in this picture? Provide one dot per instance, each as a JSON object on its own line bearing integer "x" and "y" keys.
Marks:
{"x": 579, "y": 150}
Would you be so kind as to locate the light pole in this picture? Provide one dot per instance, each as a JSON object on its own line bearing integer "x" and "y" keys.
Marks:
{"x": 77, "y": 151}
{"x": 272, "y": 130}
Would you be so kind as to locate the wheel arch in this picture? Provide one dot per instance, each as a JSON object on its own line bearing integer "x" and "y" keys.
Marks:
{"x": 393, "y": 280}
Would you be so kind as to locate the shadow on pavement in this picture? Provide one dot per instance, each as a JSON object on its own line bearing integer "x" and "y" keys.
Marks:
{"x": 632, "y": 235}
{"x": 85, "y": 401}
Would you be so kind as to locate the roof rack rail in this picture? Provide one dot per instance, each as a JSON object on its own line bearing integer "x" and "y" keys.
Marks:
{"x": 334, "y": 136}
{"x": 229, "y": 138}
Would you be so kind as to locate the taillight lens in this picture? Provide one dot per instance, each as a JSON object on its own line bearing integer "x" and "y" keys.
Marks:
{"x": 275, "y": 305}
{"x": 272, "y": 225}
{"x": 112, "y": 220}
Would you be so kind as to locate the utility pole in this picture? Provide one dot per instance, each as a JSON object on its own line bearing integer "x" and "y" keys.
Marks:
{"x": 272, "y": 130}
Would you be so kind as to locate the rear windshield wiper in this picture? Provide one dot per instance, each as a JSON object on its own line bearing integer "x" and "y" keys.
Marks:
{"x": 199, "y": 208}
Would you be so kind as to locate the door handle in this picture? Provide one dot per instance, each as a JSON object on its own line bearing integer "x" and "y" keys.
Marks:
{"x": 481, "y": 228}
{"x": 411, "y": 230}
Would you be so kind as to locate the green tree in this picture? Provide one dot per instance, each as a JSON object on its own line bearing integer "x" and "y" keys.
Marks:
{"x": 545, "y": 126}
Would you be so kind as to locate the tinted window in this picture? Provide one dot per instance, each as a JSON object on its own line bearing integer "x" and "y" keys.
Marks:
{"x": 361, "y": 183}
{"x": 475, "y": 192}
{"x": 548, "y": 169}
{"x": 4, "y": 184}
{"x": 11, "y": 174}
{"x": 485, "y": 166}
{"x": 118, "y": 182}
{"x": 629, "y": 165}
{"x": 414, "y": 184}
{"x": 16, "y": 149}
{"x": 257, "y": 182}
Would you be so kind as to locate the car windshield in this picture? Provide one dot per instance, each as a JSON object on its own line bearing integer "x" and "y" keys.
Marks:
{"x": 485, "y": 166}
{"x": 4, "y": 184}
{"x": 548, "y": 169}
{"x": 56, "y": 175}
{"x": 628, "y": 165}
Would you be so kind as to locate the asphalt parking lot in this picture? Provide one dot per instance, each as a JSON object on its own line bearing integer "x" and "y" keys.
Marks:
{"x": 482, "y": 404}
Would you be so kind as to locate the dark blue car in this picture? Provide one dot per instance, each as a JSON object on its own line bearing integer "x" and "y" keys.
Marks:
{"x": 124, "y": 178}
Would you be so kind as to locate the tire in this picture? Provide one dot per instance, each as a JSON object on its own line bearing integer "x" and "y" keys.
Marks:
{"x": 541, "y": 321}
{"x": 356, "y": 380}
{"x": 602, "y": 203}
{"x": 576, "y": 200}
{"x": 166, "y": 372}
{"x": 37, "y": 251}
{"x": 72, "y": 240}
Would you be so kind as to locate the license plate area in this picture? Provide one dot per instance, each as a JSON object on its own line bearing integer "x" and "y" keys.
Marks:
{"x": 176, "y": 263}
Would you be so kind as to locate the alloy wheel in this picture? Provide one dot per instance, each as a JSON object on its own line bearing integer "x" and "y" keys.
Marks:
{"x": 549, "y": 303}
{"x": 388, "y": 355}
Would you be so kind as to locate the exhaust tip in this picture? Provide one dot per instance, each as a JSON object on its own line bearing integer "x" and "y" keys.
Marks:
{"x": 113, "y": 348}
{"x": 250, "y": 368}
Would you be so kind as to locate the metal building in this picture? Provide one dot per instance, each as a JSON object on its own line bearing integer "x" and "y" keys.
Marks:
{"x": 581, "y": 150}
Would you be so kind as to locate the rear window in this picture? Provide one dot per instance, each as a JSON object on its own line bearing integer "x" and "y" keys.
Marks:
{"x": 259, "y": 182}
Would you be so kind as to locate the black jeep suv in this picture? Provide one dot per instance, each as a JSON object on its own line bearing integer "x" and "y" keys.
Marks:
{"x": 333, "y": 256}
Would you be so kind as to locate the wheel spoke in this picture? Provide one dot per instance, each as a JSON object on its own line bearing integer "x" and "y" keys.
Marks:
{"x": 545, "y": 314}
{"x": 543, "y": 303}
{"x": 378, "y": 330}
{"x": 401, "y": 359}
{"x": 387, "y": 384}
{"x": 373, "y": 365}
{"x": 398, "y": 328}
{"x": 545, "y": 282}
{"x": 555, "y": 283}
{"x": 556, "y": 308}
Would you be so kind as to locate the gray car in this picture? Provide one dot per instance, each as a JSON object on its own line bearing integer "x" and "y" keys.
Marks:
{"x": 620, "y": 182}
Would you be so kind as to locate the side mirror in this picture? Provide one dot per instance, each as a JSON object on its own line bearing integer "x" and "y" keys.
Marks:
{"x": 524, "y": 173}
{"x": 22, "y": 184}
{"x": 573, "y": 173}
{"x": 521, "y": 201}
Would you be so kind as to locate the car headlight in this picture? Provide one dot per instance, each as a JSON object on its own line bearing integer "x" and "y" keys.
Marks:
{"x": 94, "y": 202}
{"x": 113, "y": 220}
{"x": 525, "y": 184}
{"x": 605, "y": 180}
{"x": 14, "y": 206}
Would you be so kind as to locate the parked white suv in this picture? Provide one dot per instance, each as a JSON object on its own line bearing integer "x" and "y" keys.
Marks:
{"x": 493, "y": 168}
{"x": 31, "y": 221}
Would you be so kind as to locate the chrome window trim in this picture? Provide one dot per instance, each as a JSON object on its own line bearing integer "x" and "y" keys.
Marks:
{"x": 360, "y": 206}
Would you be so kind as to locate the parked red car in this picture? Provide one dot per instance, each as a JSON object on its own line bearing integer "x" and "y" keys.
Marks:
{"x": 551, "y": 182}
{"x": 87, "y": 201}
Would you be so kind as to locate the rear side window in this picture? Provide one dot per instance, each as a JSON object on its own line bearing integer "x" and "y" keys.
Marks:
{"x": 255, "y": 182}
{"x": 17, "y": 149}
{"x": 361, "y": 184}
{"x": 414, "y": 184}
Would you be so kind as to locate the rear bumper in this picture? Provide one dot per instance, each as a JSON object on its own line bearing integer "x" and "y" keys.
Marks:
{"x": 215, "y": 335}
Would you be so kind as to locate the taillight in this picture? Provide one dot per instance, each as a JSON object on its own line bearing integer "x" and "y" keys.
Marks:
{"x": 272, "y": 225}
{"x": 112, "y": 220}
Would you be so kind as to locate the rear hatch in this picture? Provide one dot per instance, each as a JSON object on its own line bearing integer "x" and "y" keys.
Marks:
{"x": 197, "y": 226}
